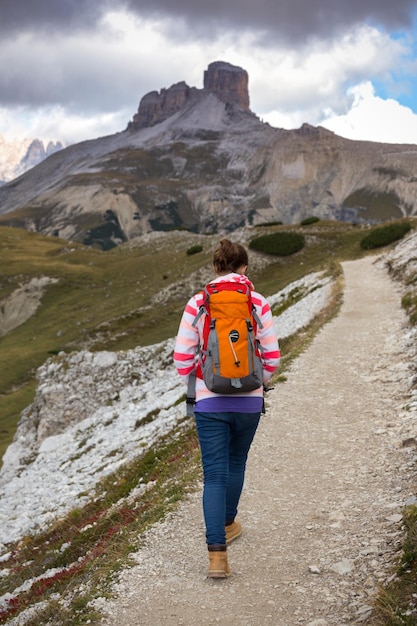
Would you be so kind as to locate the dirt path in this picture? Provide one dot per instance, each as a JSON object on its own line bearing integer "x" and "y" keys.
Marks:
{"x": 326, "y": 481}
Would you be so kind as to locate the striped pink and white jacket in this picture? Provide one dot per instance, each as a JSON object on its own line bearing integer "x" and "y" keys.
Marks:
{"x": 188, "y": 339}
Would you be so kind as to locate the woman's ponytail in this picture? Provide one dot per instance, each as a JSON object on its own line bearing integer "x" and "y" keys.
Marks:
{"x": 229, "y": 257}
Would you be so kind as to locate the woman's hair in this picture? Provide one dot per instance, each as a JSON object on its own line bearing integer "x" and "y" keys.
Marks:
{"x": 229, "y": 257}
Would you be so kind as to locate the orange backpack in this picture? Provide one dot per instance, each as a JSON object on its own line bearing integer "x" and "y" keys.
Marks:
{"x": 230, "y": 357}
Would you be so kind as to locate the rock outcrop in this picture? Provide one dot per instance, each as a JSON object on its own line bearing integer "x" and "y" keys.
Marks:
{"x": 156, "y": 107}
{"x": 228, "y": 82}
{"x": 17, "y": 308}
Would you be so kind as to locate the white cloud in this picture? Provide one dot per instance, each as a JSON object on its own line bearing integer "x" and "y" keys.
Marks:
{"x": 375, "y": 119}
{"x": 286, "y": 84}
{"x": 55, "y": 123}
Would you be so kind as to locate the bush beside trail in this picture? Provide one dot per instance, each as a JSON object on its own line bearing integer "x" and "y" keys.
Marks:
{"x": 310, "y": 220}
{"x": 280, "y": 244}
{"x": 384, "y": 235}
{"x": 194, "y": 249}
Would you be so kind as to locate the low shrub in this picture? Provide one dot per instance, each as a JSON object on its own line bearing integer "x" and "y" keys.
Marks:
{"x": 409, "y": 303}
{"x": 384, "y": 235}
{"x": 310, "y": 220}
{"x": 194, "y": 249}
{"x": 280, "y": 244}
{"x": 278, "y": 223}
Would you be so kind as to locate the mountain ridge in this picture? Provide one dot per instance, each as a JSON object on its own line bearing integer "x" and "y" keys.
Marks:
{"x": 207, "y": 164}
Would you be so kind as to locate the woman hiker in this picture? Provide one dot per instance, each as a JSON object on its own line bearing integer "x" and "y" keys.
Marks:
{"x": 226, "y": 422}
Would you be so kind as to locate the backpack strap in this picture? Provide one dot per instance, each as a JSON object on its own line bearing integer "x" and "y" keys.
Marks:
{"x": 201, "y": 310}
{"x": 256, "y": 317}
{"x": 190, "y": 398}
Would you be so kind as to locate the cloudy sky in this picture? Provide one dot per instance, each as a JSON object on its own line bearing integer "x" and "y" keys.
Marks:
{"x": 77, "y": 69}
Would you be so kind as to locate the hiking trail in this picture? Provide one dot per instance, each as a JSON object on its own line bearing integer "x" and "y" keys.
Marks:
{"x": 327, "y": 478}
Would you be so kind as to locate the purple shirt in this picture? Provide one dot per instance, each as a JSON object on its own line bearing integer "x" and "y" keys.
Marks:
{"x": 230, "y": 404}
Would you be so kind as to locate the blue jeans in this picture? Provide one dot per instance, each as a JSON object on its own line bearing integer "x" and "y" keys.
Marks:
{"x": 225, "y": 439}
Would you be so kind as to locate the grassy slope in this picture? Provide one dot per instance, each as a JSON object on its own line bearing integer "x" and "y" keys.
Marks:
{"x": 101, "y": 298}
{"x": 96, "y": 301}
{"x": 99, "y": 288}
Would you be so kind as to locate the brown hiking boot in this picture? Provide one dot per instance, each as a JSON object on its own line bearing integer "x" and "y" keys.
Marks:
{"x": 218, "y": 567}
{"x": 233, "y": 531}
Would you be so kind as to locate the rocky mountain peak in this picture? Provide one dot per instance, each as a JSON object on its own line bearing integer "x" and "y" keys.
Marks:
{"x": 156, "y": 107}
{"x": 19, "y": 155}
{"x": 228, "y": 82}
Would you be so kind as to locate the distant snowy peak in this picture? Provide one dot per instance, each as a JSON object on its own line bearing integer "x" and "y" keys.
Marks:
{"x": 19, "y": 155}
